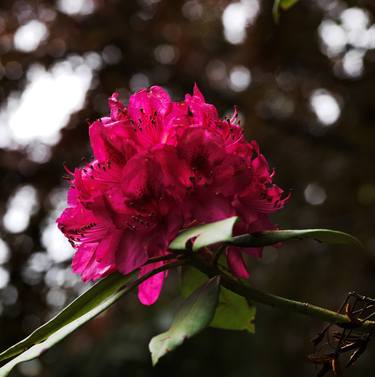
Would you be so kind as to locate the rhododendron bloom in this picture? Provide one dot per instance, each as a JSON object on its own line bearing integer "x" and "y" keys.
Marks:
{"x": 160, "y": 166}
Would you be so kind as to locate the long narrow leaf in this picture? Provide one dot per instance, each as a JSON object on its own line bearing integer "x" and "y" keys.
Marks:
{"x": 87, "y": 306}
{"x": 58, "y": 335}
{"x": 96, "y": 295}
{"x": 274, "y": 236}
{"x": 222, "y": 232}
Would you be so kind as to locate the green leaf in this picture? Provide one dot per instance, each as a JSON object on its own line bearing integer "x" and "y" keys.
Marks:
{"x": 283, "y": 4}
{"x": 206, "y": 235}
{"x": 91, "y": 303}
{"x": 221, "y": 231}
{"x": 195, "y": 313}
{"x": 274, "y": 236}
{"x": 233, "y": 311}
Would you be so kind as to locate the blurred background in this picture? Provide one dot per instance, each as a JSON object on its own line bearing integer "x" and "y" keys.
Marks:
{"x": 306, "y": 91}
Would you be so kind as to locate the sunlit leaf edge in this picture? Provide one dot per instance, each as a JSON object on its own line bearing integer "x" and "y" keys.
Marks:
{"x": 205, "y": 235}
{"x": 221, "y": 232}
{"x": 273, "y": 237}
{"x": 37, "y": 349}
{"x": 92, "y": 302}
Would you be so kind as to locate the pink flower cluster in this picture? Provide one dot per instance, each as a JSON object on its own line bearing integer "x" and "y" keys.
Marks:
{"x": 160, "y": 166}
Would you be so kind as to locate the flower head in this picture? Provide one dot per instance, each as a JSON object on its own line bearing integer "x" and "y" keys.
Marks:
{"x": 160, "y": 166}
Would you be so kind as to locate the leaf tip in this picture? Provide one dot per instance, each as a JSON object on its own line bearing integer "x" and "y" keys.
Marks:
{"x": 205, "y": 234}
{"x": 154, "y": 360}
{"x": 155, "y": 356}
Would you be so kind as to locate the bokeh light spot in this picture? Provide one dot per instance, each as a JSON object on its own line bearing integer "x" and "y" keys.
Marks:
{"x": 315, "y": 194}
{"x": 237, "y": 17}
{"x": 239, "y": 78}
{"x": 4, "y": 252}
{"x": 325, "y": 106}
{"x": 47, "y": 102}
{"x": 19, "y": 209}
{"x": 28, "y": 37}
{"x": 4, "y": 277}
{"x": 76, "y": 7}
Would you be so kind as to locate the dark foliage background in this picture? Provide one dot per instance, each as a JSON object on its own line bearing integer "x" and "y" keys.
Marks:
{"x": 306, "y": 91}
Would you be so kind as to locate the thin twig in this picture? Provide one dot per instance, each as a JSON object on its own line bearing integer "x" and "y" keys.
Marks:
{"x": 162, "y": 268}
{"x": 163, "y": 258}
{"x": 275, "y": 301}
{"x": 218, "y": 254}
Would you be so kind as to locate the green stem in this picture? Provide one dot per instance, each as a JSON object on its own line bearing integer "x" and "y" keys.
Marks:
{"x": 255, "y": 295}
{"x": 164, "y": 258}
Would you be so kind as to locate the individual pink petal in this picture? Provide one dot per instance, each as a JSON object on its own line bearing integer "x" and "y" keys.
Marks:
{"x": 149, "y": 290}
{"x": 72, "y": 197}
{"x": 204, "y": 206}
{"x": 236, "y": 263}
{"x": 202, "y": 113}
{"x": 137, "y": 172}
{"x": 112, "y": 141}
{"x": 98, "y": 143}
{"x": 131, "y": 252}
{"x": 255, "y": 252}
{"x": 198, "y": 93}
{"x": 84, "y": 264}
{"x": 117, "y": 109}
{"x": 148, "y": 101}
{"x": 106, "y": 249}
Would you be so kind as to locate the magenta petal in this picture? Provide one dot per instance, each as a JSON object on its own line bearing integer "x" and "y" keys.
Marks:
{"x": 161, "y": 99}
{"x": 149, "y": 290}
{"x": 97, "y": 141}
{"x": 198, "y": 93}
{"x": 87, "y": 267}
{"x": 148, "y": 101}
{"x": 117, "y": 109}
{"x": 237, "y": 264}
{"x": 106, "y": 250}
{"x": 81, "y": 259}
{"x": 256, "y": 252}
{"x": 205, "y": 207}
{"x": 72, "y": 197}
{"x": 131, "y": 252}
